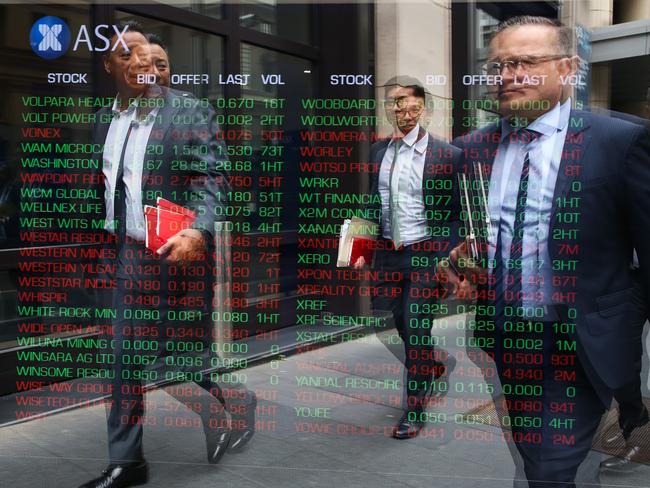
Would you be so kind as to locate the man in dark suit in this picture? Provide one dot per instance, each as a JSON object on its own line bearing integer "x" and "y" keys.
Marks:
{"x": 568, "y": 199}
{"x": 632, "y": 412}
{"x": 157, "y": 142}
{"x": 413, "y": 212}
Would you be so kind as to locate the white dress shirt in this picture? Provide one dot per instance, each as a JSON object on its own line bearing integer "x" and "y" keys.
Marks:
{"x": 407, "y": 180}
{"x": 545, "y": 154}
{"x": 133, "y": 165}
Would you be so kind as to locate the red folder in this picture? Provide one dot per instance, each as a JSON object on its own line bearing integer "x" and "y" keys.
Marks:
{"x": 166, "y": 204}
{"x": 152, "y": 241}
{"x": 362, "y": 247}
{"x": 164, "y": 221}
{"x": 358, "y": 238}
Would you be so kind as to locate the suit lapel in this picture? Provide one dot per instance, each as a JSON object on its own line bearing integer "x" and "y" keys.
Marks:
{"x": 158, "y": 132}
{"x": 100, "y": 131}
{"x": 576, "y": 142}
{"x": 429, "y": 159}
{"x": 378, "y": 158}
{"x": 483, "y": 150}
{"x": 103, "y": 118}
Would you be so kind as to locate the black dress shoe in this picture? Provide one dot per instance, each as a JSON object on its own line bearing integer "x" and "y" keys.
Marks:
{"x": 121, "y": 476}
{"x": 243, "y": 426}
{"x": 628, "y": 459}
{"x": 626, "y": 462}
{"x": 217, "y": 434}
{"x": 217, "y": 443}
{"x": 409, "y": 425}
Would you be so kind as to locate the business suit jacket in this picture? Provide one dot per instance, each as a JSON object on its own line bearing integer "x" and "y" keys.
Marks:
{"x": 600, "y": 212}
{"x": 438, "y": 189}
{"x": 184, "y": 163}
{"x": 184, "y": 150}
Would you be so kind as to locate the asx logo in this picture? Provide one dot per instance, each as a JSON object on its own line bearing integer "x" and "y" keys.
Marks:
{"x": 50, "y": 37}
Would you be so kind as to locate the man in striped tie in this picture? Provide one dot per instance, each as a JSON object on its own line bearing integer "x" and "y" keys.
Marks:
{"x": 568, "y": 199}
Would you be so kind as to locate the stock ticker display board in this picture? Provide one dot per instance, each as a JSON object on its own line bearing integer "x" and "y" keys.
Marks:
{"x": 251, "y": 215}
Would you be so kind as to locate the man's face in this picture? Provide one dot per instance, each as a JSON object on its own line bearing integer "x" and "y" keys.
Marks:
{"x": 161, "y": 63}
{"x": 141, "y": 68}
{"x": 117, "y": 62}
{"x": 403, "y": 110}
{"x": 143, "y": 75}
{"x": 532, "y": 84}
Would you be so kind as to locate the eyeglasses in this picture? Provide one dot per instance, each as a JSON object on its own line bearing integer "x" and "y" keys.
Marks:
{"x": 403, "y": 105}
{"x": 525, "y": 63}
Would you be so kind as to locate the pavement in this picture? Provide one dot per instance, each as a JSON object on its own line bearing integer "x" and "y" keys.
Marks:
{"x": 324, "y": 420}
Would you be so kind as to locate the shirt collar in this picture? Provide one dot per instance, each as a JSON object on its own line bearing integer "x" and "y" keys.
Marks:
{"x": 422, "y": 143}
{"x": 553, "y": 121}
{"x": 132, "y": 111}
{"x": 115, "y": 110}
{"x": 149, "y": 118}
{"x": 411, "y": 139}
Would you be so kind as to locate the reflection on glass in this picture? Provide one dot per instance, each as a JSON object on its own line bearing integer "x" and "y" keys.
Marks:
{"x": 481, "y": 114}
{"x": 190, "y": 53}
{"x": 290, "y": 21}
{"x": 210, "y": 8}
{"x": 278, "y": 83}
{"x": 293, "y": 72}
{"x": 486, "y": 26}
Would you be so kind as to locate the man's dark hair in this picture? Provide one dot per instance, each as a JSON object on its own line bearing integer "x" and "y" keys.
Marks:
{"x": 407, "y": 82}
{"x": 134, "y": 26}
{"x": 564, "y": 33}
{"x": 156, "y": 39}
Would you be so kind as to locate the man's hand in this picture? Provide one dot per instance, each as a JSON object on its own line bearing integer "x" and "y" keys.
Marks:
{"x": 360, "y": 263}
{"x": 187, "y": 245}
{"x": 460, "y": 279}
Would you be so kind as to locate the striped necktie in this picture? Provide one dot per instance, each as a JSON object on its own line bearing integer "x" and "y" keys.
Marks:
{"x": 513, "y": 288}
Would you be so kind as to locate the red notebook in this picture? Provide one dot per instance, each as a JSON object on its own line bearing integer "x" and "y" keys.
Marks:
{"x": 164, "y": 221}
{"x": 166, "y": 204}
{"x": 362, "y": 247}
{"x": 152, "y": 241}
{"x": 358, "y": 238}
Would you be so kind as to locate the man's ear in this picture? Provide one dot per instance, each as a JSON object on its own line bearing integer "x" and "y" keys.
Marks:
{"x": 569, "y": 65}
{"x": 107, "y": 64}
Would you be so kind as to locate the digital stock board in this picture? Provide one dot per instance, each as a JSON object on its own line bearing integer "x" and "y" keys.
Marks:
{"x": 321, "y": 230}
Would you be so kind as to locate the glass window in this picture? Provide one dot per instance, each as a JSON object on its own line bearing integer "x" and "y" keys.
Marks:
{"x": 30, "y": 164}
{"x": 190, "y": 52}
{"x": 290, "y": 21}
{"x": 210, "y": 8}
{"x": 487, "y": 25}
{"x": 277, "y": 84}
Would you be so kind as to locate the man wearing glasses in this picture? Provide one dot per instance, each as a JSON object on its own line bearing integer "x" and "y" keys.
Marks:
{"x": 569, "y": 193}
{"x": 415, "y": 193}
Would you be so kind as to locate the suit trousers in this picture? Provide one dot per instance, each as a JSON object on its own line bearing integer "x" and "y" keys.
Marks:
{"x": 145, "y": 356}
{"x": 629, "y": 396}
{"x": 406, "y": 290}
{"x": 549, "y": 409}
